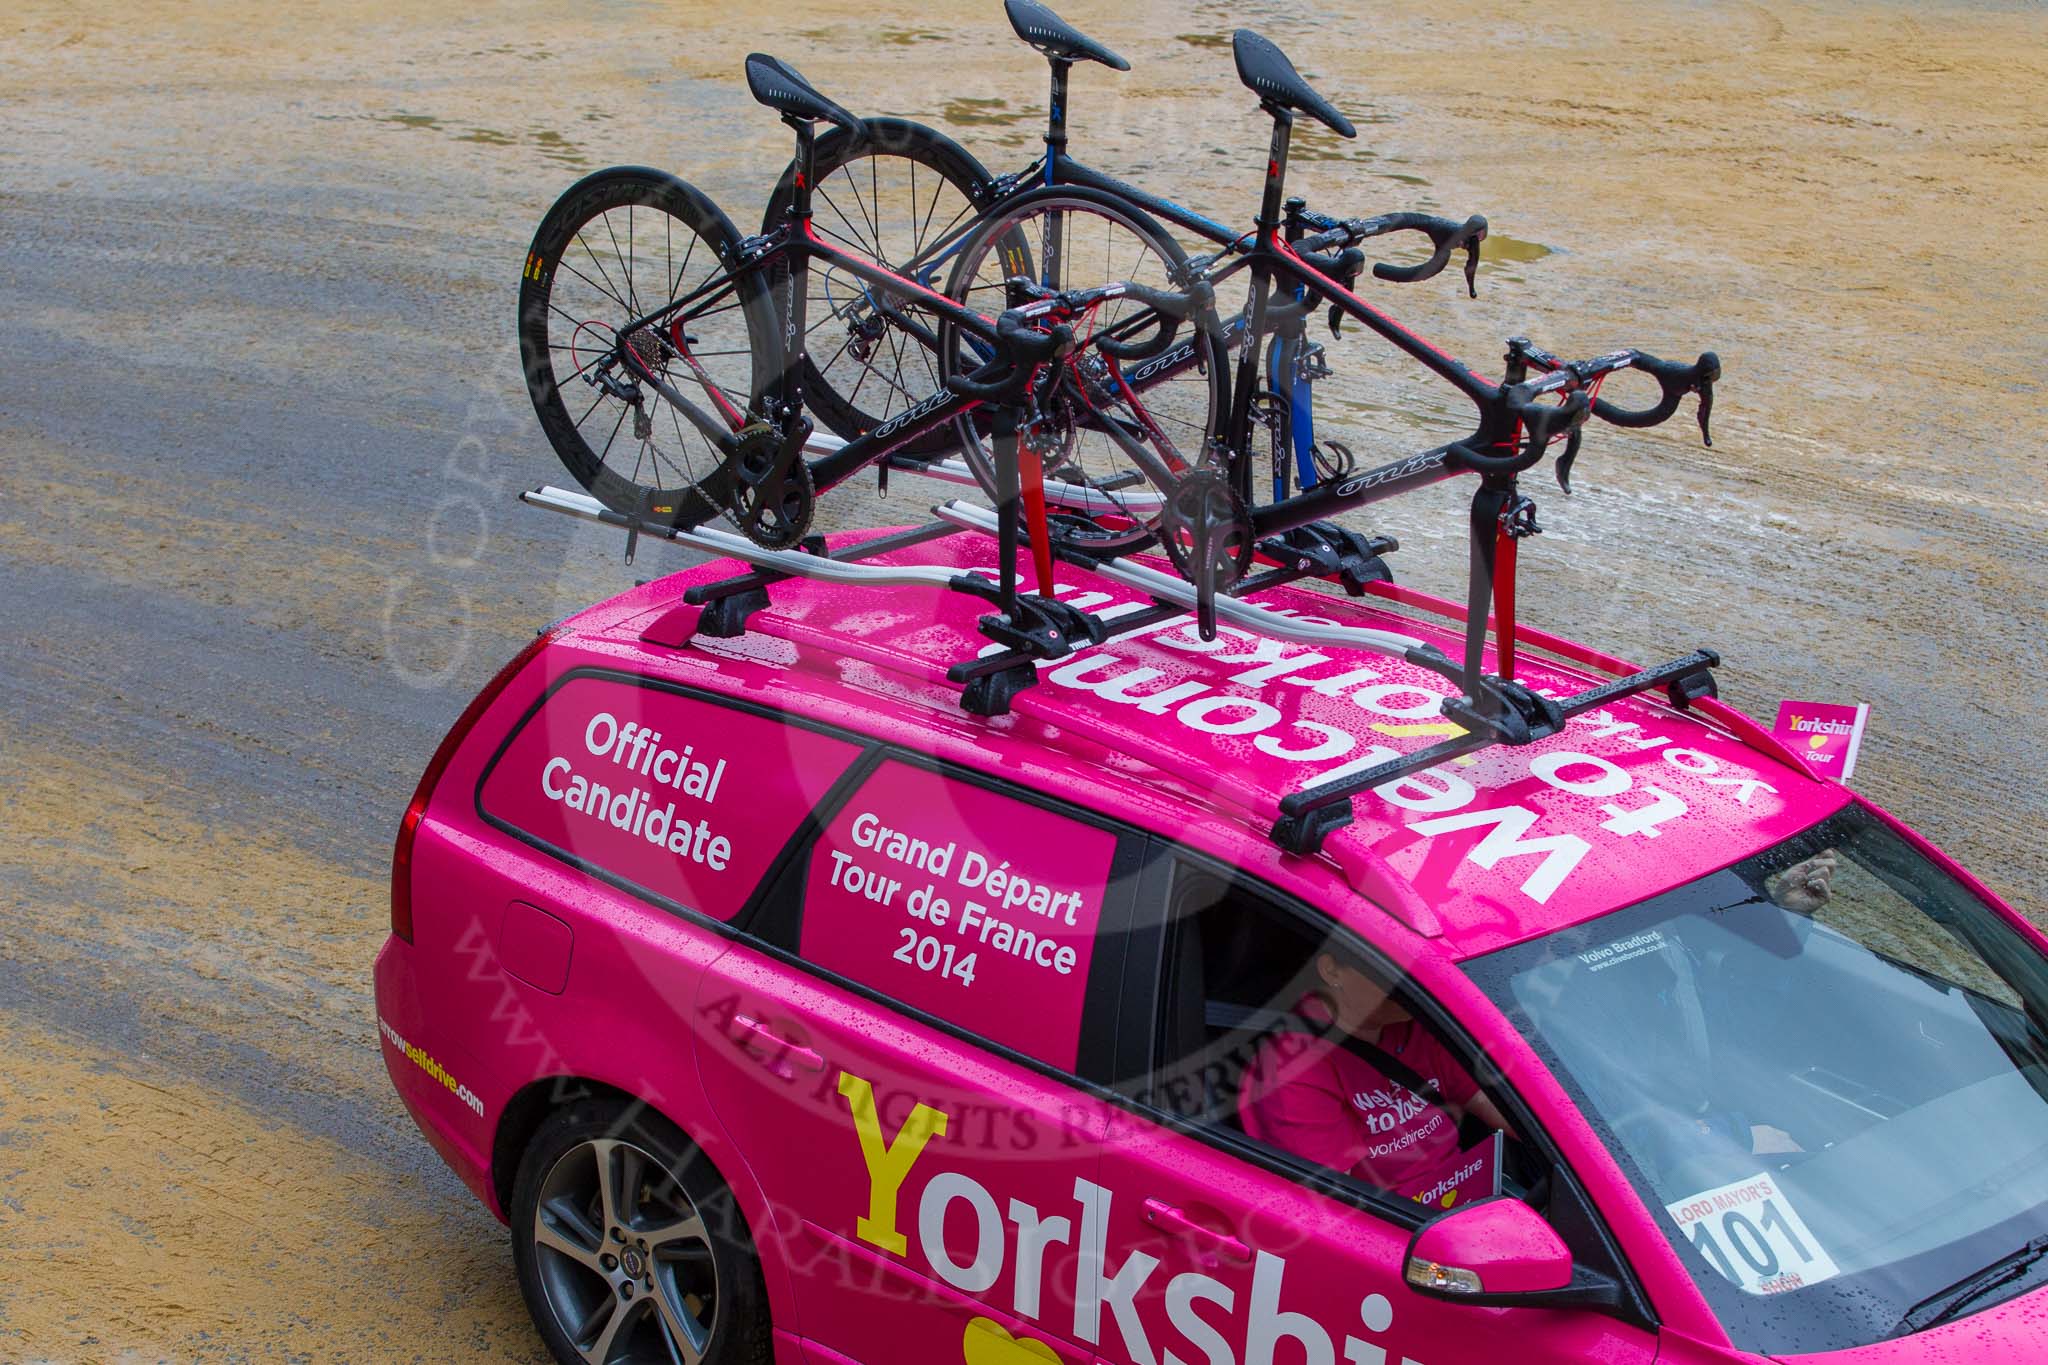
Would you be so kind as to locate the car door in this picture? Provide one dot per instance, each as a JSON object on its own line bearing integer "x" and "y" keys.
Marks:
{"x": 1221, "y": 1250}
{"x": 892, "y": 1048}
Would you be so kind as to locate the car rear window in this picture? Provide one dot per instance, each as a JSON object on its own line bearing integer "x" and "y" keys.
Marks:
{"x": 976, "y": 907}
{"x": 668, "y": 794}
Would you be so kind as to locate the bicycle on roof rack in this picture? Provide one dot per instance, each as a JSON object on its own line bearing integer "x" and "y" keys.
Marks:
{"x": 913, "y": 198}
{"x": 1043, "y": 382}
{"x": 1213, "y": 531}
{"x": 642, "y": 304}
{"x": 1213, "y": 525}
{"x": 1036, "y": 347}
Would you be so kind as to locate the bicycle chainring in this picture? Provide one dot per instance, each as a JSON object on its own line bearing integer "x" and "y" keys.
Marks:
{"x": 773, "y": 496}
{"x": 1204, "y": 499}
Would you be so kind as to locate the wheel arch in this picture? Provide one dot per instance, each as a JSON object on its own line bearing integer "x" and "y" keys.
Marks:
{"x": 532, "y": 1106}
{"x": 533, "y": 1103}
{"x": 527, "y": 1110}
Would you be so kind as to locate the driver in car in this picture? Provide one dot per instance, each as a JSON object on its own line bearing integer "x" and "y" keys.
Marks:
{"x": 1365, "y": 1090}
{"x": 1362, "y": 1088}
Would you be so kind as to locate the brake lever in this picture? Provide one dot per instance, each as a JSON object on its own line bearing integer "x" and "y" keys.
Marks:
{"x": 1472, "y": 265}
{"x": 1542, "y": 425}
{"x": 1706, "y": 411}
{"x": 1345, "y": 268}
{"x": 1564, "y": 461}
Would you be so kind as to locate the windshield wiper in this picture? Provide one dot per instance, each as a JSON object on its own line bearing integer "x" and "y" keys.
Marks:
{"x": 1945, "y": 1304}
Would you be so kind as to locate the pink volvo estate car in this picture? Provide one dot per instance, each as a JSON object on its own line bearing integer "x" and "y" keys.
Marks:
{"x": 788, "y": 1011}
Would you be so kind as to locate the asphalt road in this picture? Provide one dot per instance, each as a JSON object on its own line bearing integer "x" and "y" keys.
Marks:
{"x": 262, "y": 426}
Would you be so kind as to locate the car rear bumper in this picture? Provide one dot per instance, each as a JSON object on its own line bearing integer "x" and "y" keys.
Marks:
{"x": 428, "y": 1075}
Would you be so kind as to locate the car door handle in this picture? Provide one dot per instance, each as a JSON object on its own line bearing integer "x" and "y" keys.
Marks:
{"x": 1170, "y": 1218}
{"x": 756, "y": 1037}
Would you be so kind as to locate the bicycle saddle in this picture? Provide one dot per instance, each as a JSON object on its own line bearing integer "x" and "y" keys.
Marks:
{"x": 1057, "y": 38}
{"x": 783, "y": 88}
{"x": 1266, "y": 71}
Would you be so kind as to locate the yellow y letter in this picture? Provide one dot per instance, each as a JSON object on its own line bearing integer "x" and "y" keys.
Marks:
{"x": 888, "y": 1164}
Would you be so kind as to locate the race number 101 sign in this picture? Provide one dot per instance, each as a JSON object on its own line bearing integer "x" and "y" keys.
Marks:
{"x": 1750, "y": 1232}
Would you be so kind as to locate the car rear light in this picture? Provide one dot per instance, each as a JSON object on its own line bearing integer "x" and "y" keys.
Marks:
{"x": 408, "y": 827}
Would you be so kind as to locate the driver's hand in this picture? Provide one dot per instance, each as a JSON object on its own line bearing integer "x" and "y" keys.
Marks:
{"x": 1806, "y": 887}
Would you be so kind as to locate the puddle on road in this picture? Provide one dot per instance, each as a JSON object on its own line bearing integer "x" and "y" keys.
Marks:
{"x": 550, "y": 144}
{"x": 537, "y": 54}
{"x": 969, "y": 112}
{"x": 1503, "y": 255}
{"x": 1500, "y": 247}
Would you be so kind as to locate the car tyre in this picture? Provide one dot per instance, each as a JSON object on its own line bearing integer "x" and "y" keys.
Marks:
{"x": 630, "y": 1247}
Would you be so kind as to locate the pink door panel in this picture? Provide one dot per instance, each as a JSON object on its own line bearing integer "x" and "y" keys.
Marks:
{"x": 1216, "y": 1259}
{"x": 966, "y": 903}
{"x": 918, "y": 1182}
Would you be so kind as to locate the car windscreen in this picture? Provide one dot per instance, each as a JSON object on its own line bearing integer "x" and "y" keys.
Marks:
{"x": 1826, "y": 1072}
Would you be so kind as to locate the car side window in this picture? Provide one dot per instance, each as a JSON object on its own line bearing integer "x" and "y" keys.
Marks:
{"x": 1307, "y": 1046}
{"x": 964, "y": 902}
{"x": 668, "y": 794}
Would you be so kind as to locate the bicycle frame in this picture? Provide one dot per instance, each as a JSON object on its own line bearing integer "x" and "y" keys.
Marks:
{"x": 1058, "y": 167}
{"x": 1276, "y": 268}
{"x": 797, "y": 242}
{"x": 1271, "y": 258}
{"x": 1275, "y": 260}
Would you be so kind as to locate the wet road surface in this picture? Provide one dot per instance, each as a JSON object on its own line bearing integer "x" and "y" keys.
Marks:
{"x": 263, "y": 422}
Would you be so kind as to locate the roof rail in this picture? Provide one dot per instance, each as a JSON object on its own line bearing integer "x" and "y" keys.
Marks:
{"x": 1165, "y": 587}
{"x": 1492, "y": 710}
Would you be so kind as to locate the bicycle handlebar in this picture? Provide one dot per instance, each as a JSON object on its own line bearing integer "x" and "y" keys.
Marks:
{"x": 1023, "y": 342}
{"x": 1198, "y": 301}
{"x": 1539, "y": 423}
{"x": 1519, "y": 405}
{"x": 1021, "y": 348}
{"x": 1445, "y": 237}
{"x": 1674, "y": 378}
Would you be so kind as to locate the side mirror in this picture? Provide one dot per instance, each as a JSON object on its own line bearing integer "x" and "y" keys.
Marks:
{"x": 1494, "y": 1251}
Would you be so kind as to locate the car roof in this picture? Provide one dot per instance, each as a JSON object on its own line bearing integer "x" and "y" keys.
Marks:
{"x": 1200, "y": 741}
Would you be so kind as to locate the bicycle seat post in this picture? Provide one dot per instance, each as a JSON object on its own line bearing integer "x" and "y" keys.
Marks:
{"x": 1056, "y": 117}
{"x": 1267, "y": 73}
{"x": 806, "y": 167}
{"x": 1061, "y": 44}
{"x": 1269, "y": 220}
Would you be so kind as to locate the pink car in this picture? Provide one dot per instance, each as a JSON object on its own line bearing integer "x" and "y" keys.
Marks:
{"x": 787, "y": 1011}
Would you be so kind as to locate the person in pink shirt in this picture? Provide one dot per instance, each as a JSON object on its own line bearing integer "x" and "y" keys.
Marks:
{"x": 1362, "y": 1088}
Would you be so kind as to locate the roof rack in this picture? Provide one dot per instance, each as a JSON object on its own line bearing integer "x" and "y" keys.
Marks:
{"x": 1034, "y": 629}
{"x": 1503, "y": 713}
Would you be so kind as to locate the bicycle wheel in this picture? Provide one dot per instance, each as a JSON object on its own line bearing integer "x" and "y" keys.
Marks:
{"x": 619, "y": 245}
{"x": 899, "y": 195}
{"x": 1074, "y": 238}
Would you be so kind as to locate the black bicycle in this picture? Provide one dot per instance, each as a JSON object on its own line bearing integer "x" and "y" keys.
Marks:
{"x": 1214, "y": 530}
{"x": 1213, "y": 519}
{"x": 645, "y": 316}
{"x": 912, "y": 198}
